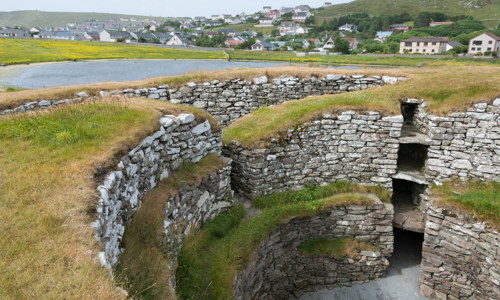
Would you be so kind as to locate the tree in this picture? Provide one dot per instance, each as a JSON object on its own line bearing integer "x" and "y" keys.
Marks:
{"x": 275, "y": 33}
{"x": 246, "y": 44}
{"x": 142, "y": 40}
{"x": 341, "y": 46}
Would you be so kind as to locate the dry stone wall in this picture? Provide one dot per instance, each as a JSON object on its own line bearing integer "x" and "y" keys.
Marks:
{"x": 361, "y": 148}
{"x": 279, "y": 271}
{"x": 193, "y": 205}
{"x": 460, "y": 257}
{"x": 465, "y": 144}
{"x": 179, "y": 139}
{"x": 230, "y": 100}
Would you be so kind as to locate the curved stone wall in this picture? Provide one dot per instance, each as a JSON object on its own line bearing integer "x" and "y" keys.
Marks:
{"x": 179, "y": 139}
{"x": 230, "y": 100}
{"x": 279, "y": 271}
{"x": 361, "y": 148}
{"x": 460, "y": 257}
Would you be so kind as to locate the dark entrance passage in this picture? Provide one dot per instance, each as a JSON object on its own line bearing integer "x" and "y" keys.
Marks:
{"x": 409, "y": 112}
{"x": 406, "y": 201}
{"x": 407, "y": 251}
{"x": 412, "y": 157}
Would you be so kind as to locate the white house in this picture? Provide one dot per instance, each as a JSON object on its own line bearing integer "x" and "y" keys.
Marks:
{"x": 261, "y": 46}
{"x": 266, "y": 21}
{"x": 179, "y": 41}
{"x": 485, "y": 42}
{"x": 348, "y": 27}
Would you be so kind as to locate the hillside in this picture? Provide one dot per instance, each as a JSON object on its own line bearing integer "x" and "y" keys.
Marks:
{"x": 486, "y": 10}
{"x": 31, "y": 18}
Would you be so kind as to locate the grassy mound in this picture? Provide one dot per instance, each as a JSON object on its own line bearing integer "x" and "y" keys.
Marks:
{"x": 479, "y": 199}
{"x": 444, "y": 90}
{"x": 48, "y": 161}
{"x": 211, "y": 257}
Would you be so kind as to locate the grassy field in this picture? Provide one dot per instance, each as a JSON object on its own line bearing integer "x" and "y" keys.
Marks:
{"x": 413, "y": 7}
{"x": 31, "y": 18}
{"x": 47, "y": 194}
{"x": 223, "y": 246}
{"x": 19, "y": 51}
{"x": 444, "y": 89}
{"x": 363, "y": 60}
{"x": 247, "y": 27}
{"x": 479, "y": 199}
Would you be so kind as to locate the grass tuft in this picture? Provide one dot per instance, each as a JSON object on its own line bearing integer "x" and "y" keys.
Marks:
{"x": 479, "y": 199}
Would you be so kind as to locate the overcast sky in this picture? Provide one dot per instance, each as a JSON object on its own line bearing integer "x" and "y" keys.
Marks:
{"x": 163, "y": 8}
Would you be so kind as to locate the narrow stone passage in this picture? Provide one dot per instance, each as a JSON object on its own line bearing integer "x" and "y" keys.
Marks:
{"x": 401, "y": 281}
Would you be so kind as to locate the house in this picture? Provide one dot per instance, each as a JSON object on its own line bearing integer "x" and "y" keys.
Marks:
{"x": 261, "y": 46}
{"x": 64, "y": 35}
{"x": 163, "y": 37}
{"x": 44, "y": 34}
{"x": 402, "y": 27}
{"x": 266, "y": 9}
{"x": 316, "y": 42}
{"x": 452, "y": 44}
{"x": 348, "y": 27}
{"x": 425, "y": 45}
{"x": 234, "y": 21}
{"x": 230, "y": 32}
{"x": 231, "y": 43}
{"x": 266, "y": 22}
{"x": 285, "y": 27}
{"x": 200, "y": 19}
{"x": 300, "y": 30}
{"x": 383, "y": 34}
{"x": 217, "y": 17}
{"x": 485, "y": 42}
{"x": 434, "y": 24}
{"x": 177, "y": 40}
{"x": 13, "y": 33}
{"x": 91, "y": 36}
{"x": 199, "y": 33}
{"x": 302, "y": 8}
{"x": 213, "y": 23}
{"x": 35, "y": 30}
{"x": 285, "y": 10}
{"x": 305, "y": 43}
{"x": 140, "y": 36}
{"x": 273, "y": 14}
{"x": 330, "y": 43}
{"x": 227, "y": 17}
{"x": 114, "y": 35}
{"x": 300, "y": 17}
{"x": 353, "y": 43}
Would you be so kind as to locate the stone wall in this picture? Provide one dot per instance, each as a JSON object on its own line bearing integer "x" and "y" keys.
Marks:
{"x": 230, "y": 100}
{"x": 193, "y": 205}
{"x": 460, "y": 257}
{"x": 465, "y": 144}
{"x": 279, "y": 271}
{"x": 361, "y": 148}
{"x": 179, "y": 139}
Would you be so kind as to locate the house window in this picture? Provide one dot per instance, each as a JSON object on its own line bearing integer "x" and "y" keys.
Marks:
{"x": 490, "y": 42}
{"x": 477, "y": 43}
{"x": 432, "y": 50}
{"x": 407, "y": 44}
{"x": 418, "y": 44}
{"x": 426, "y": 44}
{"x": 416, "y": 50}
{"x": 433, "y": 43}
{"x": 478, "y": 48}
{"x": 423, "y": 50}
{"x": 488, "y": 49}
{"x": 473, "y": 48}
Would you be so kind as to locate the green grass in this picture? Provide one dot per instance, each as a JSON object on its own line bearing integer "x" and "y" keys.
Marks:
{"x": 211, "y": 257}
{"x": 18, "y": 51}
{"x": 479, "y": 199}
{"x": 389, "y": 61}
{"x": 413, "y": 7}
{"x": 339, "y": 248}
{"x": 312, "y": 192}
{"x": 444, "y": 89}
{"x": 31, "y": 18}
{"x": 247, "y": 27}
{"x": 143, "y": 268}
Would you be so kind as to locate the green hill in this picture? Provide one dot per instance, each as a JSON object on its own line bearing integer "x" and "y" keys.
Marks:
{"x": 486, "y": 10}
{"x": 31, "y": 18}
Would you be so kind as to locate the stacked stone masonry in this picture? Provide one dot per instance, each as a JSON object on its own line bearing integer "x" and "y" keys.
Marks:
{"x": 193, "y": 205}
{"x": 279, "y": 271}
{"x": 178, "y": 140}
{"x": 350, "y": 146}
{"x": 230, "y": 100}
{"x": 459, "y": 257}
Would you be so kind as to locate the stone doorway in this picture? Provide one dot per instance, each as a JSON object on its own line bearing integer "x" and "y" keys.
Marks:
{"x": 412, "y": 157}
{"x": 406, "y": 199}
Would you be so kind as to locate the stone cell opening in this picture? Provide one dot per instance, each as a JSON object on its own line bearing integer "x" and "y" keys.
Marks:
{"x": 407, "y": 192}
{"x": 412, "y": 157}
{"x": 407, "y": 253}
{"x": 409, "y": 112}
{"x": 406, "y": 201}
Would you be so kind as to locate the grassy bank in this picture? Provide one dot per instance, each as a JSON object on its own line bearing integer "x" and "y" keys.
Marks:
{"x": 47, "y": 194}
{"x": 363, "y": 60}
{"x": 21, "y": 51}
{"x": 211, "y": 258}
{"x": 445, "y": 89}
{"x": 144, "y": 268}
{"x": 478, "y": 199}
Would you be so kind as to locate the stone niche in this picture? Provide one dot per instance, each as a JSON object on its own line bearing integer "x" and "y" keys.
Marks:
{"x": 279, "y": 271}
